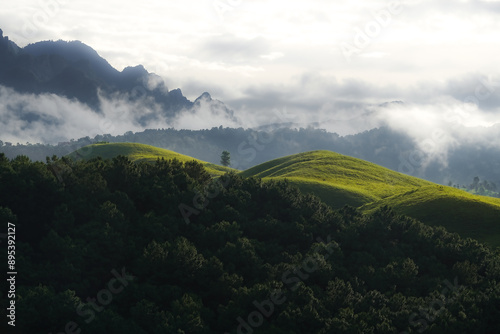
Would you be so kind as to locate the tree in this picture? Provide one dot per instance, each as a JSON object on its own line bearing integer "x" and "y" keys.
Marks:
{"x": 475, "y": 183}
{"x": 225, "y": 158}
{"x": 481, "y": 190}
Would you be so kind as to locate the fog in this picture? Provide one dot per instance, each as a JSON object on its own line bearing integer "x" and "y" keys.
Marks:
{"x": 48, "y": 118}
{"x": 438, "y": 117}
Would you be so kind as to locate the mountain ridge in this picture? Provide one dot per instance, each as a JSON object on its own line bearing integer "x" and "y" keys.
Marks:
{"x": 76, "y": 71}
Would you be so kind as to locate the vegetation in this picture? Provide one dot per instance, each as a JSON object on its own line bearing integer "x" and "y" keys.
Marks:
{"x": 103, "y": 248}
{"x": 249, "y": 147}
{"x": 225, "y": 158}
{"x": 339, "y": 177}
{"x": 339, "y": 180}
{"x": 139, "y": 152}
{"x": 485, "y": 188}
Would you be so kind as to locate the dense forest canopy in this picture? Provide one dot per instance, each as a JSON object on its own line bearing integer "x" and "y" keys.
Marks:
{"x": 111, "y": 246}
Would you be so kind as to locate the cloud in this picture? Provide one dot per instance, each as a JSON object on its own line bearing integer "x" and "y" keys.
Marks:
{"x": 272, "y": 56}
{"x": 228, "y": 48}
{"x": 257, "y": 43}
{"x": 478, "y": 89}
{"x": 43, "y": 118}
{"x": 440, "y": 117}
{"x": 48, "y": 118}
{"x": 206, "y": 114}
{"x": 338, "y": 105}
{"x": 437, "y": 129}
{"x": 276, "y": 64}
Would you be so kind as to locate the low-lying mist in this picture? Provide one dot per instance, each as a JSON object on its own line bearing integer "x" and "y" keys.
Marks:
{"x": 437, "y": 126}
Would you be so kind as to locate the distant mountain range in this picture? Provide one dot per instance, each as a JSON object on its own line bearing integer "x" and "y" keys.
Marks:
{"x": 76, "y": 71}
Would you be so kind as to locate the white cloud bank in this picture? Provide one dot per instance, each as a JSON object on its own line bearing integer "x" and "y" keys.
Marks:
{"x": 48, "y": 118}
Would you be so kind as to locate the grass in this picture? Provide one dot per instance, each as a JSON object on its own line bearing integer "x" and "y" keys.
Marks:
{"x": 469, "y": 215}
{"x": 140, "y": 152}
{"x": 339, "y": 180}
{"x": 342, "y": 180}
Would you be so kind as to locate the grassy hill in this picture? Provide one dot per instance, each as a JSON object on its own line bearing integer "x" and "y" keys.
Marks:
{"x": 342, "y": 180}
{"x": 469, "y": 215}
{"x": 339, "y": 180}
{"x": 139, "y": 152}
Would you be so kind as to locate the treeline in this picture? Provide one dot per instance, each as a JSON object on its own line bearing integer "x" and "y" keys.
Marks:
{"x": 110, "y": 246}
{"x": 383, "y": 146}
{"x": 485, "y": 187}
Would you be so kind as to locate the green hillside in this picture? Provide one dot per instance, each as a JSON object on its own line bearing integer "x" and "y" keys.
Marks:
{"x": 469, "y": 215}
{"x": 139, "y": 152}
{"x": 339, "y": 180}
{"x": 253, "y": 257}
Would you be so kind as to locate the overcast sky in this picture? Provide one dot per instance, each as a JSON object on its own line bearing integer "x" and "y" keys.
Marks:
{"x": 323, "y": 60}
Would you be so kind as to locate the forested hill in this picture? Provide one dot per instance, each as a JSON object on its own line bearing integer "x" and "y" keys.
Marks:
{"x": 112, "y": 246}
{"x": 340, "y": 180}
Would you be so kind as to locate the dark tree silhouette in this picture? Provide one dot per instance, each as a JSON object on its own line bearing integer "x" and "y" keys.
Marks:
{"x": 225, "y": 158}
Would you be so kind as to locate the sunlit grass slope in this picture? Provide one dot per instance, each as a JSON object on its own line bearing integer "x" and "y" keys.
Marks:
{"x": 339, "y": 180}
{"x": 469, "y": 215}
{"x": 140, "y": 152}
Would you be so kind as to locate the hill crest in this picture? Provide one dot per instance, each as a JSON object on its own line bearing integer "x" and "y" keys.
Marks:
{"x": 342, "y": 180}
{"x": 139, "y": 152}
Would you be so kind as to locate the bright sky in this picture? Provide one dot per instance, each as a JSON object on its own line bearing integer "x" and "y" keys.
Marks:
{"x": 273, "y": 54}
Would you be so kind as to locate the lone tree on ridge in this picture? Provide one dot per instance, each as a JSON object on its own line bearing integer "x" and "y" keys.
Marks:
{"x": 225, "y": 158}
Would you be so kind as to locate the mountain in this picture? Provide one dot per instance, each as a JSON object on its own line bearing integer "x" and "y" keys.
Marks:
{"x": 215, "y": 107}
{"x": 76, "y": 71}
{"x": 8, "y": 48}
{"x": 340, "y": 180}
